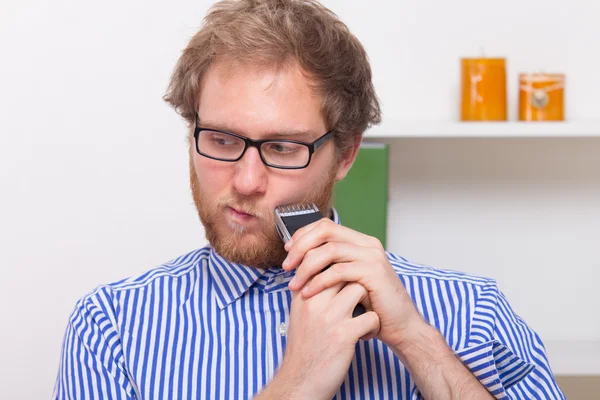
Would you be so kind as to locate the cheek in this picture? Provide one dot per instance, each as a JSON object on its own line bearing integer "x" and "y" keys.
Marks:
{"x": 290, "y": 189}
{"x": 213, "y": 175}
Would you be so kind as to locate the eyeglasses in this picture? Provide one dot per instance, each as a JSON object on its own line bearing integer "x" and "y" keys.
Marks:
{"x": 230, "y": 147}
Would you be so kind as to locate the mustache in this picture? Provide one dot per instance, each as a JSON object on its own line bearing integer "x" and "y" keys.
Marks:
{"x": 243, "y": 205}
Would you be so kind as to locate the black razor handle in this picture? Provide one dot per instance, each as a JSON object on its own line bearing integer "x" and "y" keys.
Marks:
{"x": 291, "y": 218}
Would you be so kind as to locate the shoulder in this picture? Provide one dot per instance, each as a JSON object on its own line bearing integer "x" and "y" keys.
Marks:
{"x": 183, "y": 267}
{"x": 420, "y": 272}
{"x": 462, "y": 306}
{"x": 176, "y": 268}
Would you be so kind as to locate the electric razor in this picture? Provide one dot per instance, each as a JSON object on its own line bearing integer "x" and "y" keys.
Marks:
{"x": 290, "y": 218}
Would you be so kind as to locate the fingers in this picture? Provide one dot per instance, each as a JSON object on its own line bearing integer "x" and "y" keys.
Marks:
{"x": 366, "y": 326}
{"x": 333, "y": 308}
{"x": 320, "y": 232}
{"x": 326, "y": 230}
{"x": 316, "y": 260}
{"x": 347, "y": 263}
{"x": 323, "y": 297}
{"x": 342, "y": 272}
{"x": 302, "y": 231}
{"x": 347, "y": 298}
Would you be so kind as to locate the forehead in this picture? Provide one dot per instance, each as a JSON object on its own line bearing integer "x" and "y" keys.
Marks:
{"x": 260, "y": 102}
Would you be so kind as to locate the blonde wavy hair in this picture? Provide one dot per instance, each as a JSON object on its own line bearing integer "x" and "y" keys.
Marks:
{"x": 268, "y": 33}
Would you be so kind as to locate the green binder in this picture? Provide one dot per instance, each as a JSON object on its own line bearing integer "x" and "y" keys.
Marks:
{"x": 361, "y": 198}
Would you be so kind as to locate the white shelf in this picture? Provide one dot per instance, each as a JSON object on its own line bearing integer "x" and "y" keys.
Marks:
{"x": 450, "y": 129}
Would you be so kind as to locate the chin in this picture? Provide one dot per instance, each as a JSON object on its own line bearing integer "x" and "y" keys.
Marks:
{"x": 237, "y": 229}
{"x": 239, "y": 244}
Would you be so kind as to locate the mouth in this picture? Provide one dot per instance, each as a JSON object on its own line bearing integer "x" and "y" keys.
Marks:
{"x": 240, "y": 216}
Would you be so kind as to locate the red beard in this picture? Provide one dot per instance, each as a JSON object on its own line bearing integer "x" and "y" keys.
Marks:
{"x": 259, "y": 249}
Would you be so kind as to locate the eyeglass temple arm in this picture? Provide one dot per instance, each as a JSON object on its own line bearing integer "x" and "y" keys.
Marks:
{"x": 322, "y": 140}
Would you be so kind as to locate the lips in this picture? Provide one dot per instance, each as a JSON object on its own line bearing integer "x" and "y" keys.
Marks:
{"x": 238, "y": 216}
{"x": 241, "y": 212}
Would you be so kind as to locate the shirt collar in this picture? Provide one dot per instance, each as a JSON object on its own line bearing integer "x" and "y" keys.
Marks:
{"x": 232, "y": 280}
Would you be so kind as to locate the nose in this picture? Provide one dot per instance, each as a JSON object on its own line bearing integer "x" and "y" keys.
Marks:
{"x": 250, "y": 177}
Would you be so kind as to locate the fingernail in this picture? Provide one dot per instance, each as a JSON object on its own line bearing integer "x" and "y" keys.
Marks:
{"x": 288, "y": 244}
{"x": 292, "y": 282}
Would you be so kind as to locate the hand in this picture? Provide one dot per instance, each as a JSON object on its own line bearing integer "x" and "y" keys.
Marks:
{"x": 321, "y": 341}
{"x": 354, "y": 257}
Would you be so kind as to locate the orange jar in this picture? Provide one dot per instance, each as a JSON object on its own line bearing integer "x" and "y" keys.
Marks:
{"x": 541, "y": 97}
{"x": 483, "y": 89}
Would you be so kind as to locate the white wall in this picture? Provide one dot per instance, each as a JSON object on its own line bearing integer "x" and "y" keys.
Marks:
{"x": 93, "y": 167}
{"x": 524, "y": 211}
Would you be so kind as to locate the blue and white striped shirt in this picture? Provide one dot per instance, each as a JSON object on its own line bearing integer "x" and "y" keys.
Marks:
{"x": 200, "y": 327}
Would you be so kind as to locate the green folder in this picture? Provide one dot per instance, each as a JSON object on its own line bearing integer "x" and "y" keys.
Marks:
{"x": 361, "y": 198}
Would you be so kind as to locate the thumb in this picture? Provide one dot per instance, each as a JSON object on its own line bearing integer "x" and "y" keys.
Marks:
{"x": 366, "y": 325}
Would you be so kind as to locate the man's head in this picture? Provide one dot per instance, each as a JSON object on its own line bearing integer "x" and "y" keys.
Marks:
{"x": 270, "y": 69}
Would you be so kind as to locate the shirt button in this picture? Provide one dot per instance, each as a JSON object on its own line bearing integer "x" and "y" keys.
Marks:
{"x": 279, "y": 279}
{"x": 283, "y": 328}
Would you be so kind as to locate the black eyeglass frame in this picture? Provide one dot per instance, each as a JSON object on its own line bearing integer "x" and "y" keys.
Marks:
{"x": 312, "y": 147}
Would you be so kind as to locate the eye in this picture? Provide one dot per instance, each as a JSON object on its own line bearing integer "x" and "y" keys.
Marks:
{"x": 222, "y": 140}
{"x": 282, "y": 147}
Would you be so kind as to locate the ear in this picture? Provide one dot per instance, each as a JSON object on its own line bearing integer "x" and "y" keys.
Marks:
{"x": 347, "y": 159}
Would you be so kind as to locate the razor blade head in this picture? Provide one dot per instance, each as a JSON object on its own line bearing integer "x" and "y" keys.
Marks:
{"x": 290, "y": 218}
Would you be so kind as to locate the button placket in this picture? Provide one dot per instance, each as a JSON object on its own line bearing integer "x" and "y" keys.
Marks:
{"x": 283, "y": 327}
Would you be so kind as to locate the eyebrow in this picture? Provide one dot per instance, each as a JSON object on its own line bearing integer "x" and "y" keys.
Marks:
{"x": 281, "y": 134}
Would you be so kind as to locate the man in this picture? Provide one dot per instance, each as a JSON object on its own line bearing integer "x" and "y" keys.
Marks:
{"x": 277, "y": 94}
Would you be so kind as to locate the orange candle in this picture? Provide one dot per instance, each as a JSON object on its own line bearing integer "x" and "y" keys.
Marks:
{"x": 541, "y": 97}
{"x": 483, "y": 89}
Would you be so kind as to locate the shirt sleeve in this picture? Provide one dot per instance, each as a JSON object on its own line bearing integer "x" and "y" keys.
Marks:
{"x": 91, "y": 364}
{"x": 505, "y": 354}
